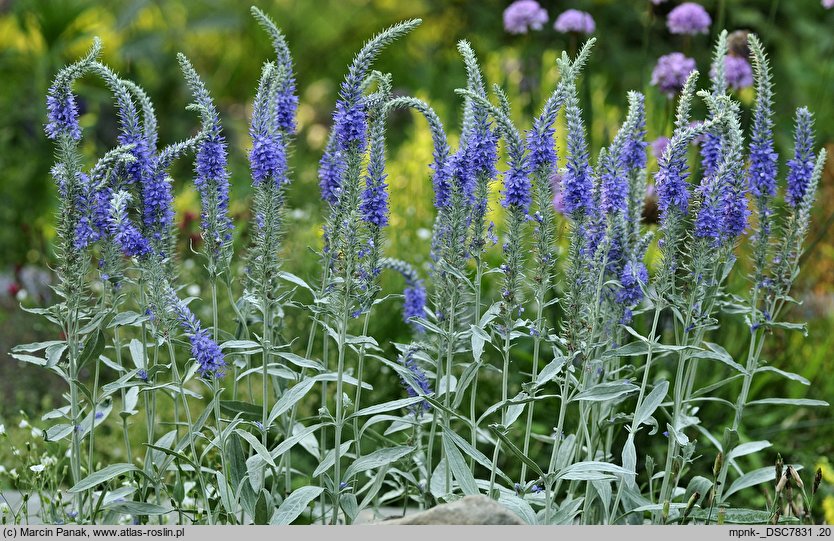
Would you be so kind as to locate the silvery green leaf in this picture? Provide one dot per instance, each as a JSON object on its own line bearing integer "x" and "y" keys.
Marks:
{"x": 386, "y": 406}
{"x": 301, "y": 361}
{"x": 466, "y": 378}
{"x": 295, "y": 504}
{"x": 514, "y": 411}
{"x": 226, "y": 497}
{"x": 330, "y": 458}
{"x": 460, "y": 470}
{"x": 36, "y": 346}
{"x": 131, "y": 399}
{"x": 136, "y": 508}
{"x": 438, "y": 479}
{"x": 551, "y": 370}
{"x": 567, "y": 512}
{"x": 506, "y": 442}
{"x": 789, "y": 375}
{"x": 741, "y": 516}
{"x": 289, "y": 398}
{"x": 102, "y": 476}
{"x": 292, "y": 278}
{"x": 471, "y": 451}
{"x": 347, "y": 501}
{"x": 629, "y": 456}
{"x": 58, "y": 432}
{"x": 447, "y": 382}
{"x": 789, "y": 402}
{"x": 56, "y": 414}
{"x": 681, "y": 438}
{"x": 127, "y": 318}
{"x": 748, "y": 449}
{"x": 607, "y": 391}
{"x": 380, "y": 457}
{"x": 519, "y": 507}
{"x": 651, "y": 403}
{"x": 257, "y": 446}
{"x": 753, "y": 478}
{"x": 591, "y": 470}
{"x": 137, "y": 353}
{"x": 249, "y": 345}
{"x": 478, "y": 339}
{"x": 718, "y": 353}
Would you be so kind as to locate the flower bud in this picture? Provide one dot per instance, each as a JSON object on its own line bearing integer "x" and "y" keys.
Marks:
{"x": 716, "y": 467}
{"x": 817, "y": 481}
{"x": 795, "y": 476}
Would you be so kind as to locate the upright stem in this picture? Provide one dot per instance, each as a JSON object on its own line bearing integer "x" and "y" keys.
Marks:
{"x": 117, "y": 343}
{"x": 473, "y": 419}
{"x": 337, "y": 464}
{"x": 504, "y": 392}
{"x": 190, "y": 435}
{"x": 359, "y": 374}
{"x": 528, "y": 428}
{"x": 266, "y": 345}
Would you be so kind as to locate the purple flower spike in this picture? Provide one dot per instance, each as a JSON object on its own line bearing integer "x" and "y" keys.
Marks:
{"x": 689, "y": 18}
{"x": 61, "y": 114}
{"x": 633, "y": 278}
{"x": 204, "y": 350}
{"x": 268, "y": 159}
{"x": 523, "y": 15}
{"x": 671, "y": 72}
{"x": 574, "y": 20}
{"x": 801, "y": 167}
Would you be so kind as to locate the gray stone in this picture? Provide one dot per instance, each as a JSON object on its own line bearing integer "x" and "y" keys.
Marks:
{"x": 470, "y": 510}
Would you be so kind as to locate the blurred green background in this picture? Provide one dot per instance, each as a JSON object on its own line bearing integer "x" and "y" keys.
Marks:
{"x": 141, "y": 39}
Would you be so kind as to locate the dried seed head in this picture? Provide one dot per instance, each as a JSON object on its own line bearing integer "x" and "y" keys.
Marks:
{"x": 817, "y": 481}
{"x": 691, "y": 503}
{"x": 716, "y": 467}
{"x": 779, "y": 465}
{"x": 795, "y": 476}
{"x": 781, "y": 484}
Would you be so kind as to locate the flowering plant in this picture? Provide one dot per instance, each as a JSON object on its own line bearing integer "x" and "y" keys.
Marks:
{"x": 287, "y": 426}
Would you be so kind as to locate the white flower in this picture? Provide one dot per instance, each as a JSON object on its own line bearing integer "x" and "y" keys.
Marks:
{"x": 37, "y": 468}
{"x": 23, "y": 424}
{"x": 2, "y": 429}
{"x": 4, "y": 509}
{"x": 193, "y": 290}
{"x": 13, "y": 473}
{"x": 3, "y": 470}
{"x": 21, "y": 295}
{"x": 37, "y": 432}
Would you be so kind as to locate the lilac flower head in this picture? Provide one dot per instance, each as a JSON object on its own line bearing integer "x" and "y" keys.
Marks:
{"x": 828, "y": 4}
{"x": 688, "y": 18}
{"x": 671, "y": 71}
{"x": 658, "y": 146}
{"x": 204, "y": 350}
{"x": 801, "y": 166}
{"x": 61, "y": 114}
{"x": 522, "y": 15}
{"x": 462, "y": 167}
{"x": 633, "y": 278}
{"x": 574, "y": 20}
{"x": 558, "y": 199}
{"x": 212, "y": 182}
{"x": 738, "y": 72}
{"x": 420, "y": 378}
